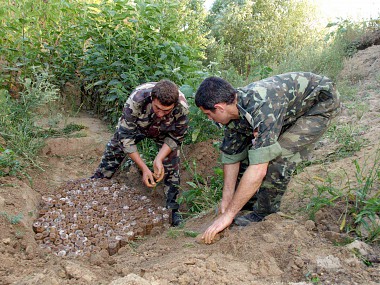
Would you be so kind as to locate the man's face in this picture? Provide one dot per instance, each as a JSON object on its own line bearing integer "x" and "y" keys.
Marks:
{"x": 161, "y": 110}
{"x": 217, "y": 115}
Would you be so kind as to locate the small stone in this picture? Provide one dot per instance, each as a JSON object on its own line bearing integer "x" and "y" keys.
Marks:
{"x": 6, "y": 241}
{"x": 30, "y": 252}
{"x": 329, "y": 262}
{"x": 310, "y": 225}
{"x": 211, "y": 265}
{"x": 130, "y": 279}
{"x": 199, "y": 239}
{"x": 363, "y": 248}
{"x": 96, "y": 259}
{"x": 299, "y": 262}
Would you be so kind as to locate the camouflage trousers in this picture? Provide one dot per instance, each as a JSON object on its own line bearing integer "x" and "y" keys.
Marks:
{"x": 296, "y": 142}
{"x": 114, "y": 155}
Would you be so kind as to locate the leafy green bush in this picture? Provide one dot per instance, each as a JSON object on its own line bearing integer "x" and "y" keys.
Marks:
{"x": 132, "y": 43}
{"x": 18, "y": 116}
{"x": 200, "y": 128}
{"x": 37, "y": 32}
{"x": 204, "y": 193}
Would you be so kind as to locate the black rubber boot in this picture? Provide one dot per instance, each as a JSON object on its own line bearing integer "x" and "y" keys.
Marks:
{"x": 97, "y": 175}
{"x": 245, "y": 220}
{"x": 176, "y": 218}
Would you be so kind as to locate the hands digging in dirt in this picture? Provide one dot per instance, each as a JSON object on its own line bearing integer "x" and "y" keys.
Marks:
{"x": 152, "y": 178}
{"x": 214, "y": 232}
{"x": 200, "y": 238}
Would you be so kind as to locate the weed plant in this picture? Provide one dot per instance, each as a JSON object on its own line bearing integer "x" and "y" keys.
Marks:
{"x": 204, "y": 193}
{"x": 361, "y": 200}
{"x": 9, "y": 164}
{"x": 66, "y": 131}
{"x": 18, "y": 116}
{"x": 13, "y": 219}
{"x": 348, "y": 138}
{"x": 180, "y": 231}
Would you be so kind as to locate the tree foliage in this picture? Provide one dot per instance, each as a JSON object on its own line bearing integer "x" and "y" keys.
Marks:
{"x": 39, "y": 33}
{"x": 111, "y": 46}
{"x": 256, "y": 33}
{"x": 130, "y": 43}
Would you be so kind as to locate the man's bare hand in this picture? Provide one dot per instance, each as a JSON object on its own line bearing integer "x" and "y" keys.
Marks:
{"x": 222, "y": 222}
{"x": 148, "y": 178}
{"x": 159, "y": 170}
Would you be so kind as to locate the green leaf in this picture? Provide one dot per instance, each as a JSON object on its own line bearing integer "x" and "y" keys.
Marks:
{"x": 187, "y": 90}
{"x": 100, "y": 82}
{"x": 192, "y": 184}
{"x": 195, "y": 134}
{"x": 113, "y": 82}
{"x": 111, "y": 98}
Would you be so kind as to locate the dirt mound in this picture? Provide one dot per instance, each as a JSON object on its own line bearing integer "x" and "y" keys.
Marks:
{"x": 363, "y": 66}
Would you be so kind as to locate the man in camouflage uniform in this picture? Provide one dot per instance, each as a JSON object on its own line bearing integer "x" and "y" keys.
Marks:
{"x": 270, "y": 126}
{"x": 157, "y": 111}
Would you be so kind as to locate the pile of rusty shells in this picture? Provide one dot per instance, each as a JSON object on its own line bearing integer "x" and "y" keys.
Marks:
{"x": 91, "y": 215}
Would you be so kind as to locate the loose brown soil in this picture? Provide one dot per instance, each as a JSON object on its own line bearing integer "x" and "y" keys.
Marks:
{"x": 286, "y": 248}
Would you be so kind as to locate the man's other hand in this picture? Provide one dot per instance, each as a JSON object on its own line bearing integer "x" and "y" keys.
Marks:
{"x": 148, "y": 178}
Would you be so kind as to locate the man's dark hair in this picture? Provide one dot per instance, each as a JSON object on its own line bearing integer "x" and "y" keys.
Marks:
{"x": 214, "y": 90}
{"x": 166, "y": 92}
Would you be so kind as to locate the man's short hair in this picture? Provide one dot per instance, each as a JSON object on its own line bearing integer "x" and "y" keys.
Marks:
{"x": 166, "y": 92}
{"x": 214, "y": 90}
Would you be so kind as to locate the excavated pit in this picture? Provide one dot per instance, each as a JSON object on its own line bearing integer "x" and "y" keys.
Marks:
{"x": 91, "y": 215}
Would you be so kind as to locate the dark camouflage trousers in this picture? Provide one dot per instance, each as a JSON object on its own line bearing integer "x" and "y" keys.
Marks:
{"x": 296, "y": 141}
{"x": 114, "y": 155}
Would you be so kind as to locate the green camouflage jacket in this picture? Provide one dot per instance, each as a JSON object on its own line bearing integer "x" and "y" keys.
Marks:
{"x": 269, "y": 107}
{"x": 138, "y": 118}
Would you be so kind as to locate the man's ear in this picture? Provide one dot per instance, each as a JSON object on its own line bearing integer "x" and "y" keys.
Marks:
{"x": 220, "y": 106}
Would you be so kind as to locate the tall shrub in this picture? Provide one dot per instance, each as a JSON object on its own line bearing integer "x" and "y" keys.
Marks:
{"x": 129, "y": 43}
{"x": 255, "y": 33}
{"x": 37, "y": 32}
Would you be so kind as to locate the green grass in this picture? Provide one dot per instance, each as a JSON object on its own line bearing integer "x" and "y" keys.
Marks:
{"x": 348, "y": 140}
{"x": 348, "y": 137}
{"x": 347, "y": 91}
{"x": 180, "y": 231}
{"x": 174, "y": 233}
{"x": 360, "y": 199}
{"x": 66, "y": 131}
{"x": 18, "y": 123}
{"x": 18, "y": 117}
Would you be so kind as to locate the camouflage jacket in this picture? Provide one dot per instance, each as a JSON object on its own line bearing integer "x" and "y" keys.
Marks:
{"x": 138, "y": 118}
{"x": 269, "y": 107}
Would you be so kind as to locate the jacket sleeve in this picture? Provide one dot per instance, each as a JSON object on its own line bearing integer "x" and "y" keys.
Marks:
{"x": 176, "y": 136}
{"x": 126, "y": 128}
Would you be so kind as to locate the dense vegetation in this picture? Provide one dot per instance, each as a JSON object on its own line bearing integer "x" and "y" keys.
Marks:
{"x": 109, "y": 47}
